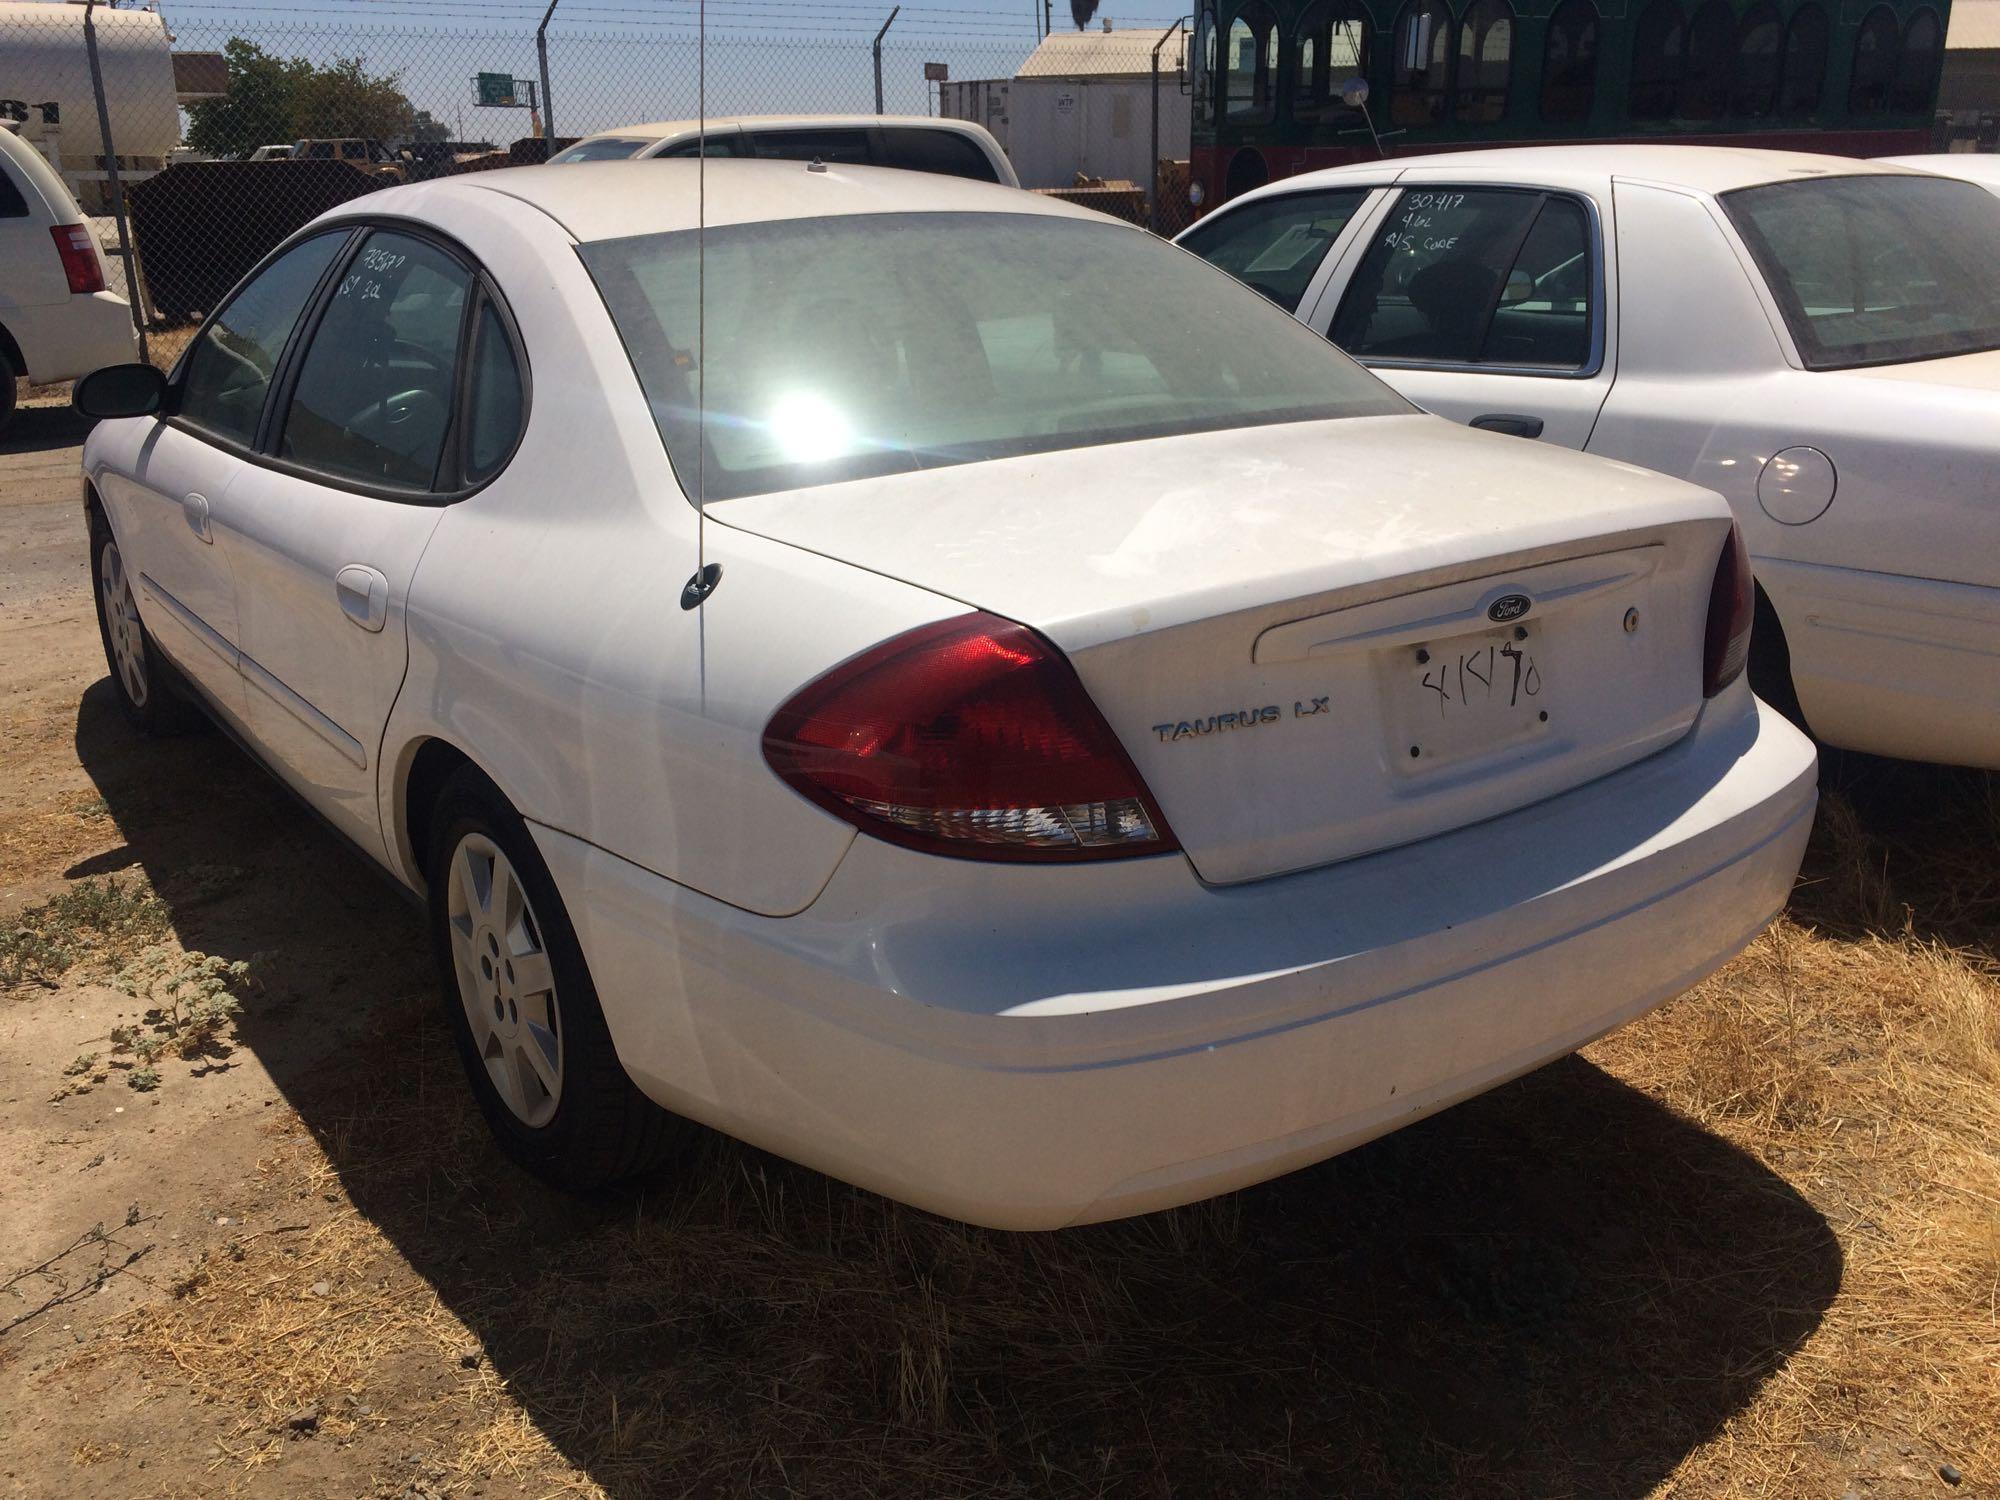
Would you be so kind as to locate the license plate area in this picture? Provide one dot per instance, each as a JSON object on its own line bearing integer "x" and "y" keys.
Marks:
{"x": 1468, "y": 696}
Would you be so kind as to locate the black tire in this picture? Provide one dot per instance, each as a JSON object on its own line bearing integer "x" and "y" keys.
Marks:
{"x": 9, "y": 388}
{"x": 602, "y": 1129}
{"x": 163, "y": 703}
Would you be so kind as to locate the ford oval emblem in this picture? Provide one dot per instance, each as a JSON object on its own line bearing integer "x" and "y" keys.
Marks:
{"x": 1509, "y": 607}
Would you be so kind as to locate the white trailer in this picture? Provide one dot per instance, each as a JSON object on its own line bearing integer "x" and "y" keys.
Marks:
{"x": 1082, "y": 103}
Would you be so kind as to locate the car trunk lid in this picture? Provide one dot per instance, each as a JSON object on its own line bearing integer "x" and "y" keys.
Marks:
{"x": 1320, "y": 639}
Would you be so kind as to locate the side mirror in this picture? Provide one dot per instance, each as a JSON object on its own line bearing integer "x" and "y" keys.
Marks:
{"x": 120, "y": 391}
{"x": 1519, "y": 288}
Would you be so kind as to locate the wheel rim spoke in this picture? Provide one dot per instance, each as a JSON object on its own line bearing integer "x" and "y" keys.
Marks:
{"x": 121, "y": 625}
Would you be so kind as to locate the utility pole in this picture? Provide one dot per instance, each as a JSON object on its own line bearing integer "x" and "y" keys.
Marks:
{"x": 894, "y": 12}
{"x": 111, "y": 172}
{"x": 542, "y": 56}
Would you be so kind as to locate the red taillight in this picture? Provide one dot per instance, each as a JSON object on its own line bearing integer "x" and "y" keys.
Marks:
{"x": 970, "y": 736}
{"x": 79, "y": 257}
{"x": 1731, "y": 604}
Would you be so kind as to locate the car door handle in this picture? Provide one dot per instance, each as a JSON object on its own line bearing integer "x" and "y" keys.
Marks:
{"x": 1511, "y": 423}
{"x": 195, "y": 508}
{"x": 363, "y": 594}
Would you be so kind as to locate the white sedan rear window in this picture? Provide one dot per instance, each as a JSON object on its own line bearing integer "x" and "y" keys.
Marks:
{"x": 1877, "y": 270}
{"x": 838, "y": 348}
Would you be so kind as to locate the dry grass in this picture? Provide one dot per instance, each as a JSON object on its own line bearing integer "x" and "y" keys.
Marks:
{"x": 1750, "y": 1247}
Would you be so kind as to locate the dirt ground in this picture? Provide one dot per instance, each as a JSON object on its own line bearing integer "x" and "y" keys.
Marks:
{"x": 1749, "y": 1246}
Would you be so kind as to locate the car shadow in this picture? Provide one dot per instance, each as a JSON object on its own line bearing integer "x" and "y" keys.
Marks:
{"x": 1562, "y": 1287}
{"x": 1904, "y": 849}
{"x": 38, "y": 429}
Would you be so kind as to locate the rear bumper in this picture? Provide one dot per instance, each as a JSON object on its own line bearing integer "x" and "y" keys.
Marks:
{"x": 68, "y": 339}
{"x": 1030, "y": 1047}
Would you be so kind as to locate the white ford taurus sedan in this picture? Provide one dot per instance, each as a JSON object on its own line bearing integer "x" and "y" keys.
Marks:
{"x": 1816, "y": 338}
{"x": 994, "y": 710}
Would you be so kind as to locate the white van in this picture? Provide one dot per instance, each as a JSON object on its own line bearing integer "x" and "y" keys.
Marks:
{"x": 916, "y": 143}
{"x": 57, "y": 319}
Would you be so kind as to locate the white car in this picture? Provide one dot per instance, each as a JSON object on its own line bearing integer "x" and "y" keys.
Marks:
{"x": 916, "y": 143}
{"x": 1815, "y": 337}
{"x": 57, "y": 320}
{"x": 1032, "y": 757}
{"x": 1982, "y": 167}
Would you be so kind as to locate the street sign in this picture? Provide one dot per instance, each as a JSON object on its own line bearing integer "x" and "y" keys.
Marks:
{"x": 936, "y": 73}
{"x": 496, "y": 90}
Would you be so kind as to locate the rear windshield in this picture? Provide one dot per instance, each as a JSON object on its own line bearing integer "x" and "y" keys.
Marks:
{"x": 606, "y": 150}
{"x": 839, "y": 348}
{"x": 1877, "y": 270}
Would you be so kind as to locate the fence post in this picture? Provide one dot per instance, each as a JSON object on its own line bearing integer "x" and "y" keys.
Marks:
{"x": 1153, "y": 194}
{"x": 896, "y": 11}
{"x": 542, "y": 56}
{"x": 111, "y": 168}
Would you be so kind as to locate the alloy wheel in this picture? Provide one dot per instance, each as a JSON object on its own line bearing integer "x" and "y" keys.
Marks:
{"x": 505, "y": 980}
{"x": 121, "y": 624}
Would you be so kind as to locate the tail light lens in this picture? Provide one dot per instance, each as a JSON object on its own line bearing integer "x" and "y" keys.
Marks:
{"x": 79, "y": 257}
{"x": 1731, "y": 604}
{"x": 970, "y": 736}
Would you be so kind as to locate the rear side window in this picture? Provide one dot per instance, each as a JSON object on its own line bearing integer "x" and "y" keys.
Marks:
{"x": 12, "y": 204}
{"x": 497, "y": 400}
{"x": 1274, "y": 245}
{"x": 811, "y": 145}
{"x": 229, "y": 365}
{"x": 1876, "y": 270}
{"x": 941, "y": 151}
{"x": 1498, "y": 277}
{"x": 374, "y": 394}
{"x": 615, "y": 149}
{"x": 714, "y": 145}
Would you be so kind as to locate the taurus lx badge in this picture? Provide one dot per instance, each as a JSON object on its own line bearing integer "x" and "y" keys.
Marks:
{"x": 1243, "y": 718}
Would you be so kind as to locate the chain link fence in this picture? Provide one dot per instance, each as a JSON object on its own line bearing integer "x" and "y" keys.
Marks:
{"x": 196, "y": 144}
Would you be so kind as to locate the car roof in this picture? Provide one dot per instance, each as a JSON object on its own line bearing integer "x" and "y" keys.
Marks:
{"x": 596, "y": 201}
{"x": 659, "y": 130}
{"x": 1983, "y": 168}
{"x": 1705, "y": 169}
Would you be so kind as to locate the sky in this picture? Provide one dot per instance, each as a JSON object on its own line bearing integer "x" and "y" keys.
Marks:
{"x": 614, "y": 62}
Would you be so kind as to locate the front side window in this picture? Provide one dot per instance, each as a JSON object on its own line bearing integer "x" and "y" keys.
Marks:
{"x": 611, "y": 148}
{"x": 1805, "y": 63}
{"x": 373, "y": 399}
{"x": 1915, "y": 87}
{"x": 1711, "y": 50}
{"x": 229, "y": 366}
{"x": 1331, "y": 47}
{"x": 1753, "y": 79}
{"x": 1276, "y": 244}
{"x": 1250, "y": 76}
{"x": 1488, "y": 276}
{"x": 842, "y": 348}
{"x": 1878, "y": 47}
{"x": 1657, "y": 47}
{"x": 1569, "y": 62}
{"x": 1485, "y": 62}
{"x": 1877, "y": 270}
{"x": 1420, "y": 88}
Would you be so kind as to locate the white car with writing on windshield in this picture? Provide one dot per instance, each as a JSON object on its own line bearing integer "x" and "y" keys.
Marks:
{"x": 1816, "y": 338}
{"x": 867, "y": 682}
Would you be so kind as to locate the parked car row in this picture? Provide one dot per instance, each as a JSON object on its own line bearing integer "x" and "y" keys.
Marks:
{"x": 1815, "y": 338}
{"x": 948, "y": 688}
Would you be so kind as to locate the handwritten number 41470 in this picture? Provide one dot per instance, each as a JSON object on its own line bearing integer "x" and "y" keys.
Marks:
{"x": 1496, "y": 669}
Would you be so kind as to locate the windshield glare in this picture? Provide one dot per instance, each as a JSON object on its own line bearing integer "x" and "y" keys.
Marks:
{"x": 1877, "y": 270}
{"x": 839, "y": 348}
